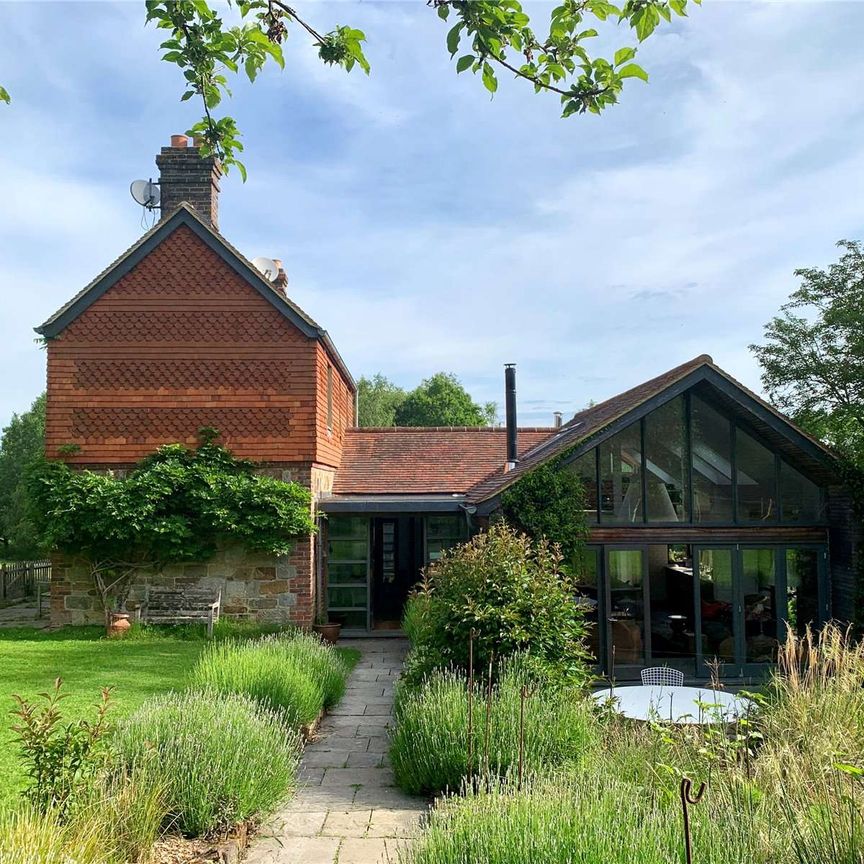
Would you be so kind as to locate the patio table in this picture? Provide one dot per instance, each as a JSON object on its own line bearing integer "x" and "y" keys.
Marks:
{"x": 698, "y": 705}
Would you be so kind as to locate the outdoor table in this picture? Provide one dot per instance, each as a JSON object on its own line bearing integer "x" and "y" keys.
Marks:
{"x": 666, "y": 703}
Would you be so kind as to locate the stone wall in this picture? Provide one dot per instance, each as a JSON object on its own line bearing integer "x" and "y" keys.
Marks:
{"x": 254, "y": 586}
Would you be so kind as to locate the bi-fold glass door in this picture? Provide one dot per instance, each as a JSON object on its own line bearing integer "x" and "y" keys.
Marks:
{"x": 688, "y": 606}
{"x": 748, "y": 594}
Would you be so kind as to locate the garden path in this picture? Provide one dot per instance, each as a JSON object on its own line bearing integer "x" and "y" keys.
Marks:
{"x": 347, "y": 809}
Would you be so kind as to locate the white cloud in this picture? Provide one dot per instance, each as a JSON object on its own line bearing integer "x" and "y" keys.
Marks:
{"x": 428, "y": 228}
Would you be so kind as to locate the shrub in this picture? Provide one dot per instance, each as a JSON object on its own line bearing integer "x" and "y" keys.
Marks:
{"x": 297, "y": 675}
{"x": 512, "y": 593}
{"x": 430, "y": 746}
{"x": 324, "y": 662}
{"x": 59, "y": 758}
{"x": 221, "y": 758}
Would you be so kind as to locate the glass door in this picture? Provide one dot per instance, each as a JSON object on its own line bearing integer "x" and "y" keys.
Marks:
{"x": 672, "y": 630}
{"x": 627, "y": 602}
{"x": 718, "y": 627}
{"x": 759, "y": 606}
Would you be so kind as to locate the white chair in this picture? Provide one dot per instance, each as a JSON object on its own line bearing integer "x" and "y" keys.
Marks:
{"x": 663, "y": 675}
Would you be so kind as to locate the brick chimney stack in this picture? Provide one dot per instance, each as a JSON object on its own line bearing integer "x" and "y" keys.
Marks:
{"x": 184, "y": 175}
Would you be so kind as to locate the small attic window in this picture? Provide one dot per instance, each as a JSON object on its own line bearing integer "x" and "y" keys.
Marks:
{"x": 329, "y": 398}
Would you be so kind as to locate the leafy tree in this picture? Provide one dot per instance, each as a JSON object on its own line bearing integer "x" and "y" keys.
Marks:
{"x": 490, "y": 36}
{"x": 22, "y": 442}
{"x": 378, "y": 399}
{"x": 176, "y": 505}
{"x": 442, "y": 401}
{"x": 813, "y": 356}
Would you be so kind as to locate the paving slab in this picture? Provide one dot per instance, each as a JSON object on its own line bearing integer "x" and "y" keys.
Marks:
{"x": 362, "y": 850}
{"x": 347, "y": 809}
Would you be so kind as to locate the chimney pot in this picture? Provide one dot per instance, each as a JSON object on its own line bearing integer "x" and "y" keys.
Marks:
{"x": 179, "y": 141}
{"x": 558, "y": 419}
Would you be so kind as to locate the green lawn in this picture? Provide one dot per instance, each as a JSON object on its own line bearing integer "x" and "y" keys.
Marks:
{"x": 148, "y": 661}
{"x": 136, "y": 668}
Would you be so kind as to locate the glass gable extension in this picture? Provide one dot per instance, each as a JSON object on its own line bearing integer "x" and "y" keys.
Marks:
{"x": 686, "y": 462}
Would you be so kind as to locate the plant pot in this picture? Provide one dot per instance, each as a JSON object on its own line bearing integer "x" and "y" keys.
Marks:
{"x": 328, "y": 632}
{"x": 119, "y": 624}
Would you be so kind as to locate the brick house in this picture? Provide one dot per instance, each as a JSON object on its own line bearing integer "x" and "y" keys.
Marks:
{"x": 714, "y": 520}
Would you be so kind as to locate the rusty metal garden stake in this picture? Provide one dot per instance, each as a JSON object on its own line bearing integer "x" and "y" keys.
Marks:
{"x": 470, "y": 703}
{"x": 522, "y": 695}
{"x": 687, "y": 799}
{"x": 488, "y": 721}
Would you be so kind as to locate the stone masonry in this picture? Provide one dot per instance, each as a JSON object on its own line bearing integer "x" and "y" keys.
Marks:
{"x": 254, "y": 586}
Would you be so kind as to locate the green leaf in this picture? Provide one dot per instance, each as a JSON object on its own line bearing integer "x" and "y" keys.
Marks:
{"x": 464, "y": 62}
{"x": 4, "y": 95}
{"x": 490, "y": 82}
{"x": 453, "y": 38}
{"x": 633, "y": 70}
{"x": 644, "y": 21}
{"x": 622, "y": 55}
{"x": 443, "y": 12}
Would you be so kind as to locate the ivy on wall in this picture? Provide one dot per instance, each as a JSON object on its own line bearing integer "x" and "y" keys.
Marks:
{"x": 549, "y": 502}
{"x": 176, "y": 505}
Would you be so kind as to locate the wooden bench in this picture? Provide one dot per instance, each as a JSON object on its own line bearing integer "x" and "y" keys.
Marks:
{"x": 179, "y": 605}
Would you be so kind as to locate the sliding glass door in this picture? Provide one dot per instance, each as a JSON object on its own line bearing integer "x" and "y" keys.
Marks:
{"x": 748, "y": 594}
{"x": 627, "y": 601}
{"x": 691, "y": 607}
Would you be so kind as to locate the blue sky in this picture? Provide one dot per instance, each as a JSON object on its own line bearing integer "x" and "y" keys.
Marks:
{"x": 427, "y": 227}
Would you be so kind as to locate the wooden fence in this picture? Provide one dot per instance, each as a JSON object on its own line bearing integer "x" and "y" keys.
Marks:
{"x": 24, "y": 579}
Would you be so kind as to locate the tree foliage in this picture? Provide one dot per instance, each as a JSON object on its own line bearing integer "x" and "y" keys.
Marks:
{"x": 442, "y": 401}
{"x": 438, "y": 401}
{"x": 812, "y": 358}
{"x": 22, "y": 443}
{"x": 176, "y": 505}
{"x": 549, "y": 502}
{"x": 378, "y": 399}
{"x": 490, "y": 37}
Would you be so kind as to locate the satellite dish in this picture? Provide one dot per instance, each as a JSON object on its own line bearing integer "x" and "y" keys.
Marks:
{"x": 266, "y": 266}
{"x": 146, "y": 193}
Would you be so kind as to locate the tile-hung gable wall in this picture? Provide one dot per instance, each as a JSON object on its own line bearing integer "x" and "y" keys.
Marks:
{"x": 180, "y": 342}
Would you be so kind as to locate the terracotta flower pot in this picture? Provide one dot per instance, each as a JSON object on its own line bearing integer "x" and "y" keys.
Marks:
{"x": 119, "y": 624}
{"x": 328, "y": 632}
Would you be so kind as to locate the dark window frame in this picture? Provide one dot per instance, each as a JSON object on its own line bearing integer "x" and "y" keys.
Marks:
{"x": 734, "y": 424}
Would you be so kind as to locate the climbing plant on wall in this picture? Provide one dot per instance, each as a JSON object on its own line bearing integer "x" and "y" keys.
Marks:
{"x": 176, "y": 505}
{"x": 549, "y": 501}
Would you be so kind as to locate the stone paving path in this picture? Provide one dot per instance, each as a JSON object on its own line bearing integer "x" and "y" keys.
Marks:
{"x": 347, "y": 810}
